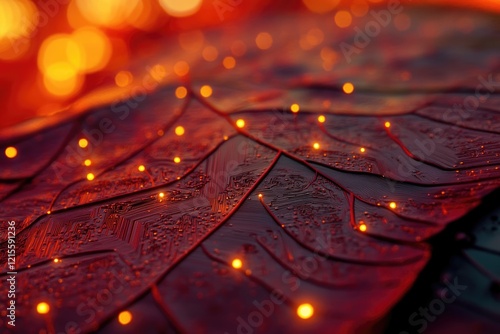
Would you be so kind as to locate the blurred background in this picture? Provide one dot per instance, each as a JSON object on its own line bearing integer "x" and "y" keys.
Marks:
{"x": 54, "y": 51}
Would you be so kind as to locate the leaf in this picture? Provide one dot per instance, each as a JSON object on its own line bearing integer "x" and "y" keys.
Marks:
{"x": 332, "y": 213}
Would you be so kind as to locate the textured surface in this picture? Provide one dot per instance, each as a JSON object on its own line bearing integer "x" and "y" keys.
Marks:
{"x": 341, "y": 225}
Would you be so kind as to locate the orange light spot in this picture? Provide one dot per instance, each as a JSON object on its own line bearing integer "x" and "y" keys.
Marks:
{"x": 229, "y": 62}
{"x": 181, "y": 8}
{"x": 141, "y": 168}
{"x": 87, "y": 162}
{"x": 206, "y": 91}
{"x": 210, "y": 53}
{"x": 321, "y": 119}
{"x": 181, "y": 68}
{"x": 11, "y": 152}
{"x": 49, "y": 212}
{"x": 343, "y": 19}
{"x": 264, "y": 40}
{"x": 387, "y": 124}
{"x": 179, "y": 130}
{"x": 83, "y": 143}
{"x": 162, "y": 195}
{"x": 181, "y": 92}
{"x": 362, "y": 150}
{"x": 348, "y": 88}
{"x": 56, "y": 260}
{"x": 95, "y": 48}
{"x": 237, "y": 264}
{"x": 240, "y": 123}
{"x": 305, "y": 311}
{"x": 362, "y": 227}
{"x": 125, "y": 317}
{"x": 295, "y": 108}
{"x": 90, "y": 176}
{"x": 43, "y": 308}
{"x": 316, "y": 146}
{"x": 123, "y": 78}
{"x": 392, "y": 205}
{"x": 260, "y": 195}
{"x": 177, "y": 160}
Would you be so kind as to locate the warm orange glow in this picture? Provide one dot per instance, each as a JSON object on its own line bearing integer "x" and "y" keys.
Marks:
{"x": 321, "y": 119}
{"x": 229, "y": 62}
{"x": 83, "y": 143}
{"x": 43, "y": 308}
{"x": 348, "y": 88}
{"x": 90, "y": 176}
{"x": 62, "y": 79}
{"x": 141, "y": 168}
{"x": 210, "y": 53}
{"x": 264, "y": 40}
{"x": 162, "y": 195}
{"x": 177, "y": 160}
{"x": 343, "y": 19}
{"x": 179, "y": 130}
{"x": 181, "y": 8}
{"x": 392, "y": 205}
{"x": 206, "y": 91}
{"x": 87, "y": 162}
{"x": 237, "y": 264}
{"x": 56, "y": 260}
{"x": 320, "y": 6}
{"x": 362, "y": 150}
{"x": 123, "y": 78}
{"x": 11, "y": 152}
{"x": 305, "y": 311}
{"x": 387, "y": 124}
{"x": 109, "y": 13}
{"x": 18, "y": 18}
{"x": 181, "y": 92}
{"x": 125, "y": 317}
{"x": 362, "y": 227}
{"x": 359, "y": 8}
{"x": 295, "y": 108}
{"x": 260, "y": 195}
{"x": 240, "y": 123}
{"x": 181, "y": 68}
{"x": 95, "y": 49}
{"x": 316, "y": 146}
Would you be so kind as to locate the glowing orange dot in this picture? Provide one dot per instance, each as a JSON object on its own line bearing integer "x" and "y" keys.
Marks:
{"x": 237, "y": 264}
{"x": 177, "y": 160}
{"x": 161, "y": 195}
{"x": 181, "y": 92}
{"x": 362, "y": 227}
{"x": 210, "y": 53}
{"x": 181, "y": 8}
{"x": 87, "y": 162}
{"x": 49, "y": 212}
{"x": 240, "y": 123}
{"x": 123, "y": 78}
{"x": 392, "y": 205}
{"x": 348, "y": 88}
{"x": 43, "y": 308}
{"x": 316, "y": 146}
{"x": 179, "y": 130}
{"x": 56, "y": 260}
{"x": 11, "y": 152}
{"x": 181, "y": 68}
{"x": 295, "y": 108}
{"x": 264, "y": 40}
{"x": 125, "y": 317}
{"x": 141, "y": 168}
{"x": 90, "y": 176}
{"x": 206, "y": 91}
{"x": 343, "y": 19}
{"x": 305, "y": 311}
{"x": 83, "y": 143}
{"x": 362, "y": 150}
{"x": 229, "y": 62}
{"x": 387, "y": 124}
{"x": 260, "y": 195}
{"x": 321, "y": 119}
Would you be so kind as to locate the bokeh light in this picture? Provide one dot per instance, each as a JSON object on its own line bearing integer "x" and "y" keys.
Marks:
{"x": 181, "y": 8}
{"x": 109, "y": 13}
{"x": 125, "y": 317}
